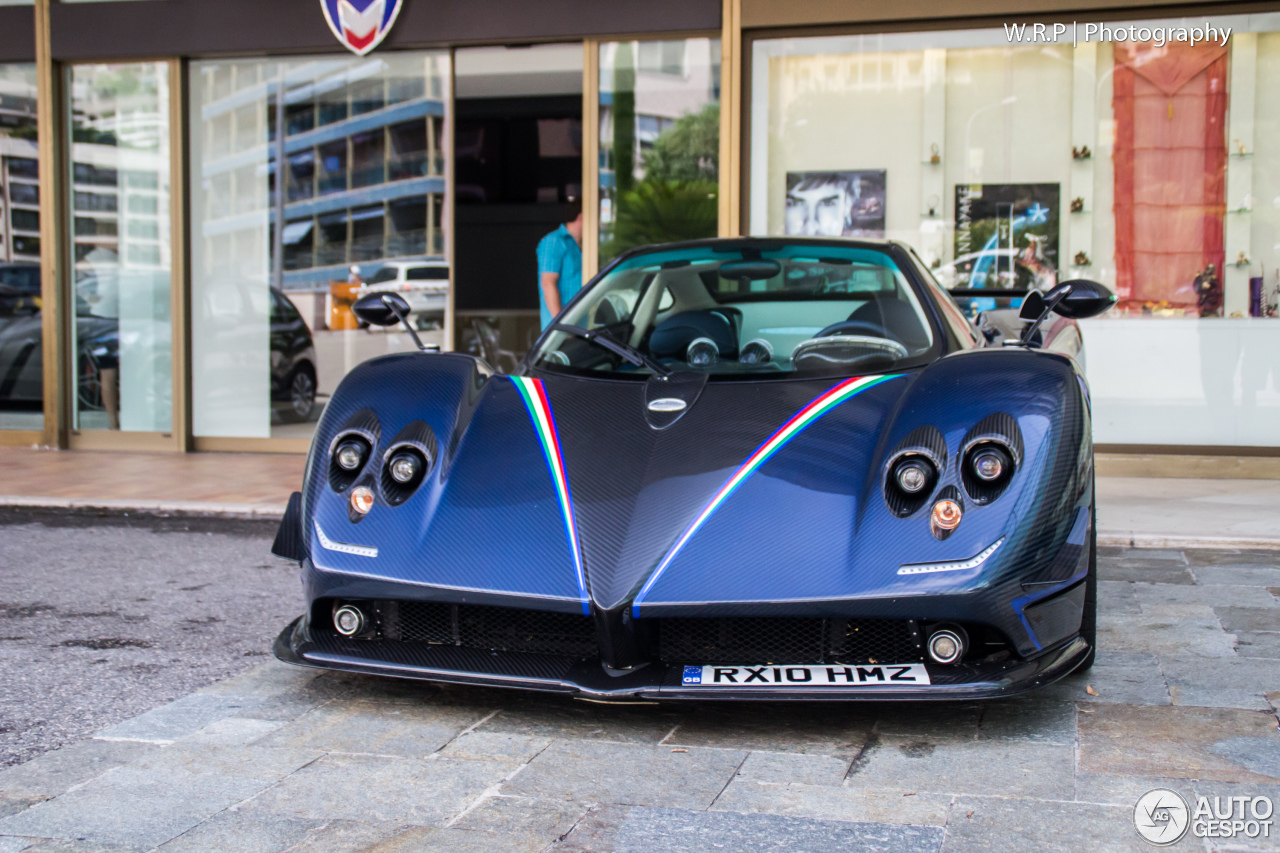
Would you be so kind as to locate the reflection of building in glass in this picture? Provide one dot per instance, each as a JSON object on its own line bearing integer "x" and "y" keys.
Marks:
{"x": 669, "y": 79}
{"x": 120, "y": 153}
{"x": 365, "y": 175}
{"x": 659, "y": 142}
{"x": 19, "y": 190}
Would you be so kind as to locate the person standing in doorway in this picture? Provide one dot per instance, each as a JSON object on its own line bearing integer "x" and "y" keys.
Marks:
{"x": 560, "y": 264}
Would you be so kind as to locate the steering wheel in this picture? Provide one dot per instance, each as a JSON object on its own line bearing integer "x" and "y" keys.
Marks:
{"x": 857, "y": 327}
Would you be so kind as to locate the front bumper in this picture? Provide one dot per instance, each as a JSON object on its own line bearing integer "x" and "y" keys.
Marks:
{"x": 588, "y": 678}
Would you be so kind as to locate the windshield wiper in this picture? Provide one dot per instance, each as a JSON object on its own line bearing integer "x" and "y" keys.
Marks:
{"x": 614, "y": 346}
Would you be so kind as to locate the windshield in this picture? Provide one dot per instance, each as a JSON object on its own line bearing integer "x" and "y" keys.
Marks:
{"x": 736, "y": 309}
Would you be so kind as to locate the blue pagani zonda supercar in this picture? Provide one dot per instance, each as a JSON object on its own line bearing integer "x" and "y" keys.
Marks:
{"x": 742, "y": 468}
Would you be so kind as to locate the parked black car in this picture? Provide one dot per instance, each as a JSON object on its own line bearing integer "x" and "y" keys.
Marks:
{"x": 293, "y": 357}
{"x": 293, "y": 361}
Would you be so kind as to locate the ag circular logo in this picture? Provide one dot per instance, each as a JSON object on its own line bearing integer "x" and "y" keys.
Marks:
{"x": 1162, "y": 816}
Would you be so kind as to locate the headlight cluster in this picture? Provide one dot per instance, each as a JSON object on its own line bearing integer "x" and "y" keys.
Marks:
{"x": 916, "y": 473}
{"x": 370, "y": 470}
{"x": 990, "y": 454}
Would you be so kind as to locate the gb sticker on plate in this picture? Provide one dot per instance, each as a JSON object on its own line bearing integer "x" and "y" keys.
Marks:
{"x": 839, "y": 675}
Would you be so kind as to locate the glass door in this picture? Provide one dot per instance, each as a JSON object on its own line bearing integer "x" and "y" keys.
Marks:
{"x": 121, "y": 332}
{"x": 315, "y": 180}
{"x": 659, "y": 142}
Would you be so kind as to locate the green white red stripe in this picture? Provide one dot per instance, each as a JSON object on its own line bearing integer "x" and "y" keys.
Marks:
{"x": 800, "y": 421}
{"x": 534, "y": 396}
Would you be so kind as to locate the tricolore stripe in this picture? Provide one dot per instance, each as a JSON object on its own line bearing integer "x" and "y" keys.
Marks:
{"x": 784, "y": 434}
{"x": 535, "y": 400}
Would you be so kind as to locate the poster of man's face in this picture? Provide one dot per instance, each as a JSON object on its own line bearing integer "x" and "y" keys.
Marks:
{"x": 836, "y": 204}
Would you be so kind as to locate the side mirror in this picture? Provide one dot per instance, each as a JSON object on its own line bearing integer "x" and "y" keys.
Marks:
{"x": 387, "y": 309}
{"x": 1032, "y": 306}
{"x": 381, "y": 309}
{"x": 1085, "y": 299}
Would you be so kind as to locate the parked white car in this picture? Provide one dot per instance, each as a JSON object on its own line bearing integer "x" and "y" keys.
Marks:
{"x": 423, "y": 284}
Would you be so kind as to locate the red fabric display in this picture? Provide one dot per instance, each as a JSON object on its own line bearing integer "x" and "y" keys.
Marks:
{"x": 1170, "y": 154}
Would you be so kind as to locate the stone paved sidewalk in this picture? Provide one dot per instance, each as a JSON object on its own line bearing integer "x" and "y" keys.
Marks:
{"x": 1183, "y": 695}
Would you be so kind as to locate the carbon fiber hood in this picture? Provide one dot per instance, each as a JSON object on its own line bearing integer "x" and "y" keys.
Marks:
{"x": 636, "y": 489}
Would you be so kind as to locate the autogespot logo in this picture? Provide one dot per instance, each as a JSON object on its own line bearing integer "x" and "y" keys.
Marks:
{"x": 1162, "y": 816}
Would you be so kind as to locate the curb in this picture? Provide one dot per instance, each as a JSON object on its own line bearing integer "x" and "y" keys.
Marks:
{"x": 211, "y": 509}
{"x": 201, "y": 509}
{"x": 1159, "y": 540}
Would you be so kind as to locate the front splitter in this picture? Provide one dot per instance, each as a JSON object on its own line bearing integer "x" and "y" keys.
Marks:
{"x": 587, "y": 678}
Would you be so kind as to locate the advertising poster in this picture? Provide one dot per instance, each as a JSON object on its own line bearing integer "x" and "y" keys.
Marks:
{"x": 1006, "y": 236}
{"x": 836, "y": 204}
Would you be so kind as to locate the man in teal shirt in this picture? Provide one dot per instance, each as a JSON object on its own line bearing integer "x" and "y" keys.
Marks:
{"x": 560, "y": 265}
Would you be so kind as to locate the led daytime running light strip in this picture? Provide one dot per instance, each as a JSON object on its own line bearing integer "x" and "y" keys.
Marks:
{"x": 343, "y": 547}
{"x": 534, "y": 396}
{"x": 971, "y": 563}
{"x": 785, "y": 433}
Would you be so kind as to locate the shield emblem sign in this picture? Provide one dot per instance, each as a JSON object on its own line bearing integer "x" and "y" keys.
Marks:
{"x": 361, "y": 25}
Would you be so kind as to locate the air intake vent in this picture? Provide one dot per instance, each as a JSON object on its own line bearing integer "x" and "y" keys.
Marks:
{"x": 748, "y": 640}
{"x": 493, "y": 628}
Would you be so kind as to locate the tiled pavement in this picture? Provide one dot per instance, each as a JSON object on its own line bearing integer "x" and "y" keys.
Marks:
{"x": 1183, "y": 696}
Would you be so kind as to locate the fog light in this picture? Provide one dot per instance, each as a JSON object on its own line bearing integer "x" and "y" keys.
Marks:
{"x": 350, "y": 455}
{"x": 912, "y": 477}
{"x": 404, "y": 467}
{"x": 362, "y": 500}
{"x": 946, "y": 514}
{"x": 945, "y": 646}
{"x": 348, "y": 620}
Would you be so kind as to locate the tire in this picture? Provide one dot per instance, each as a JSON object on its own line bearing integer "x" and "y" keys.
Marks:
{"x": 302, "y": 395}
{"x": 1089, "y": 622}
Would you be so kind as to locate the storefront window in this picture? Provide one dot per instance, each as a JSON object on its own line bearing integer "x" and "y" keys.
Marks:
{"x": 21, "y": 377}
{"x": 358, "y": 207}
{"x": 122, "y": 334}
{"x": 659, "y": 142}
{"x": 1150, "y": 166}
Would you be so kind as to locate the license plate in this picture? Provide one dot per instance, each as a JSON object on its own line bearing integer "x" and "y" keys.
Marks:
{"x": 839, "y": 675}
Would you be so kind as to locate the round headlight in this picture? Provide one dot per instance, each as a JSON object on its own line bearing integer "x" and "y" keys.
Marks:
{"x": 946, "y": 514}
{"x": 913, "y": 475}
{"x": 990, "y": 464}
{"x": 349, "y": 455}
{"x": 404, "y": 467}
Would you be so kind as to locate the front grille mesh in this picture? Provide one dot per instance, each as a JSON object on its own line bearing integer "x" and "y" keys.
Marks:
{"x": 746, "y": 640}
{"x": 481, "y": 627}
